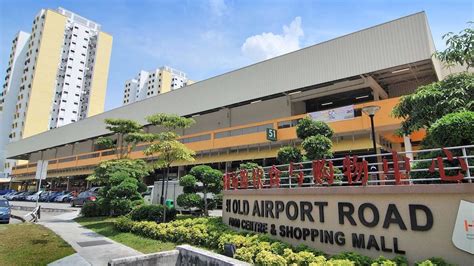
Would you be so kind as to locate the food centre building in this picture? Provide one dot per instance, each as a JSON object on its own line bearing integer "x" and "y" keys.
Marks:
{"x": 330, "y": 81}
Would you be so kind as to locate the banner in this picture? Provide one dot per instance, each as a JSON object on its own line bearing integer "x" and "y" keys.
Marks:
{"x": 41, "y": 169}
{"x": 336, "y": 114}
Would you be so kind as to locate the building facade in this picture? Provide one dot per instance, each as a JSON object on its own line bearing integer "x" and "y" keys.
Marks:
{"x": 151, "y": 83}
{"x": 331, "y": 81}
{"x": 56, "y": 75}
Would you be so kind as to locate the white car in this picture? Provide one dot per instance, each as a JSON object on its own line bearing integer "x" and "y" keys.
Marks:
{"x": 34, "y": 197}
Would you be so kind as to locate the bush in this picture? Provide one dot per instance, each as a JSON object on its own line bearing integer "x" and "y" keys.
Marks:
{"x": 358, "y": 259}
{"x": 455, "y": 129}
{"x": 266, "y": 258}
{"x": 188, "y": 200}
{"x": 308, "y": 127}
{"x": 289, "y": 154}
{"x": 317, "y": 147}
{"x": 257, "y": 249}
{"x": 152, "y": 213}
{"x": 434, "y": 261}
{"x": 92, "y": 209}
{"x": 400, "y": 260}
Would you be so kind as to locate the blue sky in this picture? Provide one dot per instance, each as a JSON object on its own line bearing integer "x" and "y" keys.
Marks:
{"x": 210, "y": 37}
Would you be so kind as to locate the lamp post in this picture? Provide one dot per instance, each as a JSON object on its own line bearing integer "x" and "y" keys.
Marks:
{"x": 370, "y": 111}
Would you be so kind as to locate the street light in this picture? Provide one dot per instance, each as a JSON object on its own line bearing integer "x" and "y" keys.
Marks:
{"x": 370, "y": 111}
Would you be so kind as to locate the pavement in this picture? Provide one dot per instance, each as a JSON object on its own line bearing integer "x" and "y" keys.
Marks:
{"x": 91, "y": 248}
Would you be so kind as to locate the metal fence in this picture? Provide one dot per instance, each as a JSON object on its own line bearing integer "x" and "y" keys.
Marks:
{"x": 439, "y": 165}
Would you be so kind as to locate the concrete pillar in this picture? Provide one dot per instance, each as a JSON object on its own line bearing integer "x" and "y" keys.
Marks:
{"x": 67, "y": 184}
{"x": 408, "y": 147}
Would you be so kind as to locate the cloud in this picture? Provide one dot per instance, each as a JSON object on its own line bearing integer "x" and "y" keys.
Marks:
{"x": 218, "y": 7}
{"x": 267, "y": 45}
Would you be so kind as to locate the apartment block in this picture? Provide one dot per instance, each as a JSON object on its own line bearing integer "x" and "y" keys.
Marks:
{"x": 151, "y": 83}
{"x": 56, "y": 75}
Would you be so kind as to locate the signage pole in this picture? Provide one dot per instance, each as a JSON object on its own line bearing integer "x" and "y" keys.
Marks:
{"x": 39, "y": 183}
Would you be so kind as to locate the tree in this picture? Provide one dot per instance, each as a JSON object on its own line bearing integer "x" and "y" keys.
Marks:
{"x": 168, "y": 148}
{"x": 128, "y": 134}
{"x": 121, "y": 181}
{"x": 455, "y": 129}
{"x": 308, "y": 127}
{"x": 317, "y": 147}
{"x": 459, "y": 48}
{"x": 431, "y": 102}
{"x": 201, "y": 178}
{"x": 289, "y": 154}
{"x": 316, "y": 136}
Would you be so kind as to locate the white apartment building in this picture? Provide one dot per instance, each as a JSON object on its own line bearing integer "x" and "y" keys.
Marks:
{"x": 151, "y": 83}
{"x": 56, "y": 75}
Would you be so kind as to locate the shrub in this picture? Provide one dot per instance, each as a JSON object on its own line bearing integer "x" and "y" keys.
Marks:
{"x": 317, "y": 147}
{"x": 400, "y": 260}
{"x": 92, "y": 209}
{"x": 455, "y": 129}
{"x": 289, "y": 154}
{"x": 257, "y": 249}
{"x": 434, "y": 261}
{"x": 302, "y": 258}
{"x": 425, "y": 263}
{"x": 383, "y": 262}
{"x": 358, "y": 259}
{"x": 308, "y": 127}
{"x": 188, "y": 200}
{"x": 266, "y": 258}
{"x": 152, "y": 213}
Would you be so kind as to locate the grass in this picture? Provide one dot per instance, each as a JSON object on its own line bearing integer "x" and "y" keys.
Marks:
{"x": 31, "y": 244}
{"x": 104, "y": 226}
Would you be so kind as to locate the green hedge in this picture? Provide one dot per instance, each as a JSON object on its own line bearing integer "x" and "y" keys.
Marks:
{"x": 211, "y": 233}
{"x": 152, "y": 213}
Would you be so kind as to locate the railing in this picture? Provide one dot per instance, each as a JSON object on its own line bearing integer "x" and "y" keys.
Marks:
{"x": 375, "y": 169}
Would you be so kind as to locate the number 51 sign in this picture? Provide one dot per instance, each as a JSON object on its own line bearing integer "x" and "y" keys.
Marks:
{"x": 271, "y": 134}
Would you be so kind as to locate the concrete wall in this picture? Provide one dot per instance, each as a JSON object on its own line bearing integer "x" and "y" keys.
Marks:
{"x": 442, "y": 200}
{"x": 184, "y": 255}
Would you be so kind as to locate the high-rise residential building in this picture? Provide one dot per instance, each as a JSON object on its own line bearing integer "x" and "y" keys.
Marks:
{"x": 151, "y": 83}
{"x": 56, "y": 75}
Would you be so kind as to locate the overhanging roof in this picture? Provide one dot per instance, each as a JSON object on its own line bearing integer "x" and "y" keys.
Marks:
{"x": 398, "y": 42}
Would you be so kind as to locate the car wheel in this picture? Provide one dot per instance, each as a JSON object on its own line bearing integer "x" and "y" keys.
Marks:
{"x": 64, "y": 199}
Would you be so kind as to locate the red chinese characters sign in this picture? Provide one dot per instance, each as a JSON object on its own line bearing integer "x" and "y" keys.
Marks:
{"x": 355, "y": 171}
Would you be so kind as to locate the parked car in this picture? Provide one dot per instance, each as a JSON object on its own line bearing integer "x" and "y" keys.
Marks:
{"x": 11, "y": 195}
{"x": 83, "y": 198}
{"x": 23, "y": 195}
{"x": 64, "y": 198}
{"x": 6, "y": 196}
{"x": 44, "y": 196}
{"x": 34, "y": 196}
{"x": 5, "y": 211}
{"x": 95, "y": 189}
{"x": 52, "y": 196}
{"x": 6, "y": 191}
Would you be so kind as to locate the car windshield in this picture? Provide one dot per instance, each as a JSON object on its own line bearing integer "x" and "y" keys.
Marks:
{"x": 3, "y": 203}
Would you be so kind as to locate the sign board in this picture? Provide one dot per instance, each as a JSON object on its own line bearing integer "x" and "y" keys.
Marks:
{"x": 41, "y": 169}
{"x": 336, "y": 114}
{"x": 463, "y": 234}
{"x": 415, "y": 221}
{"x": 271, "y": 134}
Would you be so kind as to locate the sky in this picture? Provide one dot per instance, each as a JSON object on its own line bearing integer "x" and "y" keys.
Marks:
{"x": 205, "y": 38}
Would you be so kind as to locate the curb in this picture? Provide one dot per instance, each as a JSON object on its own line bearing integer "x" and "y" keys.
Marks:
{"x": 43, "y": 209}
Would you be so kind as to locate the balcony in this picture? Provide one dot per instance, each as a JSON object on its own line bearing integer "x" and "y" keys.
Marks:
{"x": 240, "y": 136}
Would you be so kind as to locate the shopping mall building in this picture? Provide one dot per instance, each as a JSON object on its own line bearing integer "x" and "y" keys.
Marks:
{"x": 331, "y": 81}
